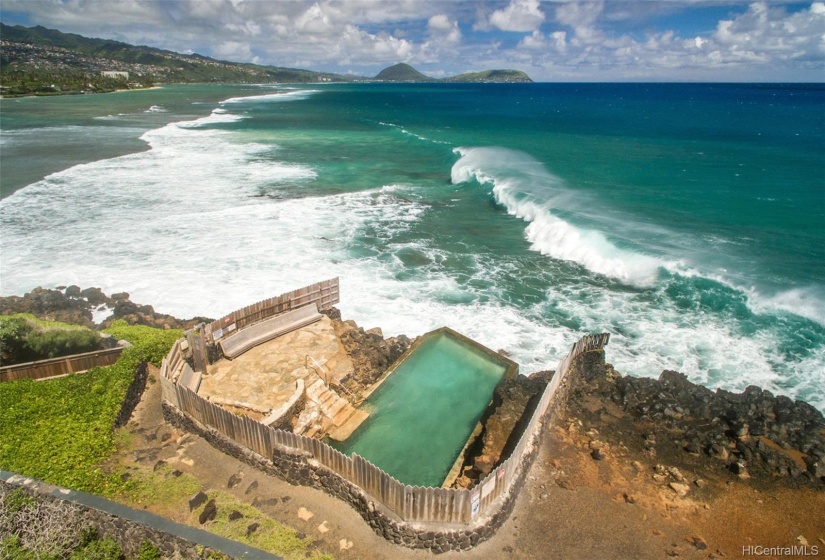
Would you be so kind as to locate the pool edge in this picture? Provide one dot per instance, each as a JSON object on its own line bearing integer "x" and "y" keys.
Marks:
{"x": 511, "y": 367}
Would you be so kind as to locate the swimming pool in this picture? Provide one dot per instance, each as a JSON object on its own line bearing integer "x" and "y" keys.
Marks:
{"x": 428, "y": 405}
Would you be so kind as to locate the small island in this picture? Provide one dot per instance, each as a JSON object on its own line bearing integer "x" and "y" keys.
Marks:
{"x": 406, "y": 73}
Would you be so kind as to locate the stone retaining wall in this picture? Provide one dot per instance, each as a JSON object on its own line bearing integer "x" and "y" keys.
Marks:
{"x": 127, "y": 533}
{"x": 281, "y": 418}
{"x": 300, "y": 468}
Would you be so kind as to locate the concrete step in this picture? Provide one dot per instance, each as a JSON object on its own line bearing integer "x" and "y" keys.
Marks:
{"x": 341, "y": 417}
{"x": 335, "y": 408}
{"x": 316, "y": 387}
{"x": 349, "y": 425}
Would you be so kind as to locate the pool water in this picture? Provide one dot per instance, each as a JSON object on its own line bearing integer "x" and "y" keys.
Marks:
{"x": 423, "y": 413}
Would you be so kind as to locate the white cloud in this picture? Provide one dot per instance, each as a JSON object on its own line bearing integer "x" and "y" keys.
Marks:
{"x": 235, "y": 50}
{"x": 771, "y": 31}
{"x": 443, "y": 29}
{"x": 582, "y": 16}
{"x": 519, "y": 15}
{"x": 580, "y": 39}
{"x": 534, "y": 41}
{"x": 314, "y": 20}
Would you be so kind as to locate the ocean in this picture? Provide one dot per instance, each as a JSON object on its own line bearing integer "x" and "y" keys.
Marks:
{"x": 687, "y": 220}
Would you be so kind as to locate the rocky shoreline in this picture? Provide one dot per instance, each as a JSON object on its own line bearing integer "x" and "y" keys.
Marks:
{"x": 71, "y": 304}
{"x": 750, "y": 435}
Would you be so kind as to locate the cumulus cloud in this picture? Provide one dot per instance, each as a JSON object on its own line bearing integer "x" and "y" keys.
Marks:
{"x": 579, "y": 39}
{"x": 442, "y": 28}
{"x": 770, "y": 31}
{"x": 519, "y": 15}
{"x": 537, "y": 41}
{"x": 236, "y": 51}
{"x": 581, "y": 16}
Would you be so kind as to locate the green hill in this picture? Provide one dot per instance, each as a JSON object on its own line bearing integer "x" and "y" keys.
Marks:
{"x": 402, "y": 73}
{"x": 46, "y": 61}
{"x": 406, "y": 73}
{"x": 41, "y": 61}
{"x": 506, "y": 76}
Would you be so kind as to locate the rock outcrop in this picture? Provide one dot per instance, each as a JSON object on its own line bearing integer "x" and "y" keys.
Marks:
{"x": 514, "y": 401}
{"x": 75, "y": 305}
{"x": 370, "y": 352}
{"x": 752, "y": 434}
{"x": 52, "y": 305}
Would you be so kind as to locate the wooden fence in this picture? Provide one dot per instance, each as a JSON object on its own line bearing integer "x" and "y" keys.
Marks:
{"x": 325, "y": 294}
{"x": 411, "y": 503}
{"x": 43, "y": 369}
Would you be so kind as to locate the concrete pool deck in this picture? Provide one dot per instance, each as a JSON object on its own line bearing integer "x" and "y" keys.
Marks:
{"x": 265, "y": 376}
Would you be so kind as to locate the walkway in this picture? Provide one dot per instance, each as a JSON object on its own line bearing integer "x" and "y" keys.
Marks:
{"x": 265, "y": 375}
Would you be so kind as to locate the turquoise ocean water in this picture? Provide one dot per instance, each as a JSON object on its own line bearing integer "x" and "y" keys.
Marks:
{"x": 688, "y": 220}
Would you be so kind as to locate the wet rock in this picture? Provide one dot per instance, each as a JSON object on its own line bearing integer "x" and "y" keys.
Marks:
{"x": 51, "y": 305}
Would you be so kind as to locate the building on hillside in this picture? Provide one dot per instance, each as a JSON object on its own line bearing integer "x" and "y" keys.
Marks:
{"x": 115, "y": 75}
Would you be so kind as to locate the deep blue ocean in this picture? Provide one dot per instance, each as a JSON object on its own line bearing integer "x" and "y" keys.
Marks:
{"x": 688, "y": 220}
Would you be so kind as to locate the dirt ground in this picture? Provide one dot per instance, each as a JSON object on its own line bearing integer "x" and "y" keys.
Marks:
{"x": 572, "y": 506}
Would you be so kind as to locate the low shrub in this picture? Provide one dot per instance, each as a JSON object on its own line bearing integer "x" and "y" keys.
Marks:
{"x": 60, "y": 430}
{"x": 23, "y": 338}
{"x": 153, "y": 344}
{"x": 148, "y": 551}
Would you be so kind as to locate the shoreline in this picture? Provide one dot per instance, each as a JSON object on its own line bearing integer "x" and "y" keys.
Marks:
{"x": 785, "y": 437}
{"x": 72, "y": 93}
{"x": 631, "y": 468}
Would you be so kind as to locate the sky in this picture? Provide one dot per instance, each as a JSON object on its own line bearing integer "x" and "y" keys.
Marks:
{"x": 601, "y": 40}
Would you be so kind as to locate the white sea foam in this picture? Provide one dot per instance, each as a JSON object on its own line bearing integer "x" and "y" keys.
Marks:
{"x": 517, "y": 180}
{"x": 806, "y": 302}
{"x": 178, "y": 226}
{"x": 284, "y": 95}
{"x": 156, "y": 109}
{"x": 403, "y": 130}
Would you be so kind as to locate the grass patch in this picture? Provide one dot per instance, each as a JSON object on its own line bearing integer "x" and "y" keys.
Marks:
{"x": 168, "y": 495}
{"x": 61, "y": 430}
{"x": 165, "y": 494}
{"x": 270, "y": 535}
{"x": 44, "y": 324}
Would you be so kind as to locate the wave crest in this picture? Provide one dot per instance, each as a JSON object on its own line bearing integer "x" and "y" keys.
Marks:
{"x": 524, "y": 187}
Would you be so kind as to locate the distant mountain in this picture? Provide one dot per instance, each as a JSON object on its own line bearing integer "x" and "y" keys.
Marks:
{"x": 506, "y": 76}
{"x": 402, "y": 73}
{"x": 406, "y": 73}
{"x": 41, "y": 60}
